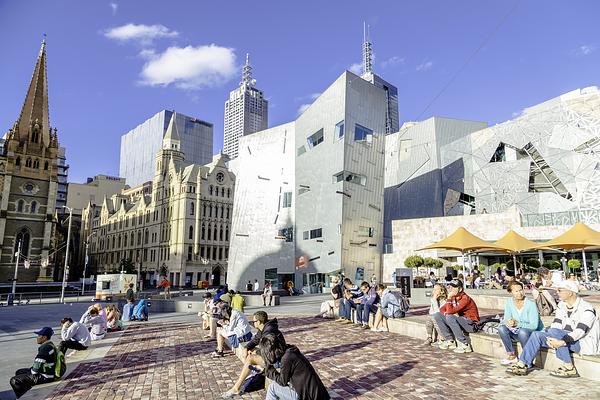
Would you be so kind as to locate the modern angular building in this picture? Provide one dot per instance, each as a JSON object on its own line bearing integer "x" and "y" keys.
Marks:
{"x": 246, "y": 112}
{"x": 326, "y": 210}
{"x": 63, "y": 180}
{"x": 182, "y": 225}
{"x": 29, "y": 169}
{"x": 140, "y": 145}
{"x": 537, "y": 174}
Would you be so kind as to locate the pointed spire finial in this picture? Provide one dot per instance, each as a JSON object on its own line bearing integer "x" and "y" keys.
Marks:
{"x": 247, "y": 73}
{"x": 367, "y": 50}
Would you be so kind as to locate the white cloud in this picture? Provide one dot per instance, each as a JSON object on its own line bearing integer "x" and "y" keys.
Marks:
{"x": 190, "y": 67}
{"x": 303, "y": 108}
{"x": 424, "y": 66}
{"x": 585, "y": 50}
{"x": 311, "y": 97}
{"x": 392, "y": 61}
{"x": 144, "y": 34}
{"x": 356, "y": 68}
{"x": 114, "y": 7}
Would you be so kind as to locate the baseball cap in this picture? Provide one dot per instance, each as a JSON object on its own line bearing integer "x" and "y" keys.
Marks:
{"x": 45, "y": 331}
{"x": 226, "y": 298}
{"x": 457, "y": 283}
{"x": 568, "y": 285}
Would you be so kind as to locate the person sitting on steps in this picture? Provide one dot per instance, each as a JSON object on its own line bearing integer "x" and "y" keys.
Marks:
{"x": 575, "y": 329}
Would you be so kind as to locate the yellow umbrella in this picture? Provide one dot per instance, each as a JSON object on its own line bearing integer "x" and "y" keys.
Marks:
{"x": 578, "y": 237}
{"x": 513, "y": 243}
{"x": 462, "y": 240}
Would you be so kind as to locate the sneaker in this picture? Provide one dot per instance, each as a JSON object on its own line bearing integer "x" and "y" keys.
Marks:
{"x": 230, "y": 394}
{"x": 346, "y": 321}
{"x": 341, "y": 319}
{"x": 447, "y": 345}
{"x": 218, "y": 353}
{"x": 509, "y": 360}
{"x": 436, "y": 344}
{"x": 564, "y": 372}
{"x": 463, "y": 348}
{"x": 428, "y": 341}
{"x": 519, "y": 369}
{"x": 366, "y": 326}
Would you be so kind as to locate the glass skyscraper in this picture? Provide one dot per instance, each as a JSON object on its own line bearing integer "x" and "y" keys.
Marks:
{"x": 140, "y": 145}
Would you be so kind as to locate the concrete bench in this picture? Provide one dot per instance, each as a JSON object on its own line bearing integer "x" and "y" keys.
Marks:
{"x": 256, "y": 300}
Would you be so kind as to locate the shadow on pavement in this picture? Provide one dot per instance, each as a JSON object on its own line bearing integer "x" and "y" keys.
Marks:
{"x": 372, "y": 380}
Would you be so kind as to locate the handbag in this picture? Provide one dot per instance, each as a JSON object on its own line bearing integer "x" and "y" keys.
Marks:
{"x": 254, "y": 382}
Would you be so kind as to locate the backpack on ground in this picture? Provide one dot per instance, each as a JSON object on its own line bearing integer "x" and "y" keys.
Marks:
{"x": 60, "y": 366}
{"x": 488, "y": 325}
{"x": 403, "y": 301}
{"x": 253, "y": 383}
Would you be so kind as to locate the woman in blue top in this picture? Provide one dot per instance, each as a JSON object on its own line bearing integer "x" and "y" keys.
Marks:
{"x": 521, "y": 317}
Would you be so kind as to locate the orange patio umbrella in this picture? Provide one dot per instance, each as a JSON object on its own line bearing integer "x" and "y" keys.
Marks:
{"x": 578, "y": 237}
{"x": 513, "y": 243}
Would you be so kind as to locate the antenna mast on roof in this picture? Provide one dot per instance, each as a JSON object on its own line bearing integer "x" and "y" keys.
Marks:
{"x": 367, "y": 50}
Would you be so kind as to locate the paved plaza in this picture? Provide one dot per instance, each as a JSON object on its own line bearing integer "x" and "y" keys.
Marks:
{"x": 171, "y": 360}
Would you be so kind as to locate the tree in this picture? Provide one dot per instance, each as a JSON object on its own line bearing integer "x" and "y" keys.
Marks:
{"x": 574, "y": 264}
{"x": 127, "y": 266}
{"x": 533, "y": 264}
{"x": 552, "y": 264}
{"x": 414, "y": 261}
{"x": 481, "y": 267}
{"x": 163, "y": 271}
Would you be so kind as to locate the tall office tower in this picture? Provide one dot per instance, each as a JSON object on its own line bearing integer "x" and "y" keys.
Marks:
{"x": 246, "y": 112}
{"x": 392, "y": 123}
{"x": 63, "y": 177}
{"x": 140, "y": 145}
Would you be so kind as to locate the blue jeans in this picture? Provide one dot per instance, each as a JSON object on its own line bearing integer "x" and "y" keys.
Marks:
{"x": 507, "y": 337}
{"x": 278, "y": 392}
{"x": 364, "y": 311}
{"x": 452, "y": 326}
{"x": 537, "y": 340}
{"x": 348, "y": 306}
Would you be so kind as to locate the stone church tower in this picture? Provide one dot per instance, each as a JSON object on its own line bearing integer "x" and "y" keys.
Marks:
{"x": 28, "y": 184}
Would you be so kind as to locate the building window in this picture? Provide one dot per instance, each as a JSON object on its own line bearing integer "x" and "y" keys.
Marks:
{"x": 139, "y": 239}
{"x": 191, "y": 233}
{"x": 222, "y": 192}
{"x": 24, "y": 238}
{"x": 362, "y": 134}
{"x": 287, "y": 233}
{"x": 202, "y": 252}
{"x": 221, "y": 233}
{"x": 228, "y": 193}
{"x": 46, "y": 166}
{"x": 316, "y": 233}
{"x": 189, "y": 254}
{"x": 209, "y": 232}
{"x": 339, "y": 130}
{"x": 305, "y": 235}
{"x": 33, "y": 207}
{"x": 350, "y": 177}
{"x": 222, "y": 210}
{"x": 315, "y": 139}
{"x": 36, "y": 164}
{"x": 215, "y": 233}
{"x": 18, "y": 161}
{"x": 20, "y": 205}
{"x": 28, "y": 162}
{"x": 203, "y": 232}
{"x": 365, "y": 231}
{"x": 210, "y": 190}
{"x": 227, "y": 213}
{"x": 287, "y": 199}
{"x": 192, "y": 208}
{"x": 227, "y": 234}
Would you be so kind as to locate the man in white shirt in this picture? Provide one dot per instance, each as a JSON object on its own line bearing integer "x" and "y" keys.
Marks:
{"x": 235, "y": 328}
{"x": 256, "y": 285}
{"x": 74, "y": 335}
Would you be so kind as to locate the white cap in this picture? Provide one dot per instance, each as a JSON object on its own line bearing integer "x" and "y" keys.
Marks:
{"x": 569, "y": 285}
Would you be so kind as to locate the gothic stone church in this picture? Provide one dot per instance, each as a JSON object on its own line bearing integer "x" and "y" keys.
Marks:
{"x": 28, "y": 183}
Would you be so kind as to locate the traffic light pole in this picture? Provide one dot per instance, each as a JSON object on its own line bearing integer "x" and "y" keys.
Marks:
{"x": 14, "y": 285}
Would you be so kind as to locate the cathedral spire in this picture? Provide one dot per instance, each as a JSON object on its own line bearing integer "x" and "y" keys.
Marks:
{"x": 171, "y": 140}
{"x": 247, "y": 73}
{"x": 367, "y": 51}
{"x": 35, "y": 107}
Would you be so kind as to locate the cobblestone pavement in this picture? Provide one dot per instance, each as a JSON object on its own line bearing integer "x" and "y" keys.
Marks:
{"x": 172, "y": 361}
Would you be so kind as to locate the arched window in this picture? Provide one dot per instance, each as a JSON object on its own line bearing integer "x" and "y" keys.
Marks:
{"x": 23, "y": 237}
{"x": 20, "y": 205}
{"x": 192, "y": 207}
{"x": 139, "y": 241}
{"x": 131, "y": 239}
{"x": 191, "y": 235}
{"x": 209, "y": 232}
{"x": 203, "y": 232}
{"x": 227, "y": 213}
{"x": 113, "y": 242}
{"x": 228, "y": 193}
{"x": 215, "y": 232}
{"x": 46, "y": 166}
{"x": 222, "y": 211}
{"x": 36, "y": 163}
{"x": 18, "y": 161}
{"x": 227, "y": 234}
{"x": 119, "y": 242}
{"x": 146, "y": 237}
{"x": 210, "y": 190}
{"x": 204, "y": 210}
{"x": 221, "y": 233}
{"x": 28, "y": 162}
{"x": 222, "y": 192}
{"x": 33, "y": 207}
{"x": 210, "y": 210}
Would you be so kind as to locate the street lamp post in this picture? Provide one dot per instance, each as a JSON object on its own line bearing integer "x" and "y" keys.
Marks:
{"x": 85, "y": 261}
{"x": 14, "y": 285}
{"x": 66, "y": 267}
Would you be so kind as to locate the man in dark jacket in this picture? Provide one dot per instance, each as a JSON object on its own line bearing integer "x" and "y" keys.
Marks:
{"x": 264, "y": 326}
{"x": 295, "y": 378}
{"x": 43, "y": 365}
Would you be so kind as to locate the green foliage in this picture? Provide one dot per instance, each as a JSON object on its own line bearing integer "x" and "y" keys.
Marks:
{"x": 482, "y": 267}
{"x": 163, "y": 271}
{"x": 414, "y": 262}
{"x": 552, "y": 264}
{"x": 574, "y": 264}
{"x": 533, "y": 264}
{"x": 128, "y": 267}
{"x": 432, "y": 263}
{"x": 495, "y": 266}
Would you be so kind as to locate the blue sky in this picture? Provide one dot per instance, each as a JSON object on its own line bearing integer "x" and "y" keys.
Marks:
{"x": 112, "y": 64}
